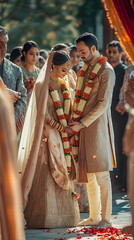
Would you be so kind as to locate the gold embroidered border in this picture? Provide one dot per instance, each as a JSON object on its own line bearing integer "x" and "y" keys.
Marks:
{"x": 120, "y": 30}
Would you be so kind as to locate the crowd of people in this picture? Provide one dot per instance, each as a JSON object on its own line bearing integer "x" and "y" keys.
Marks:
{"x": 71, "y": 107}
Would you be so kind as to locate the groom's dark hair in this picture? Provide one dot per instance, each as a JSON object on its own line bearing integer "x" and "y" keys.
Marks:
{"x": 89, "y": 39}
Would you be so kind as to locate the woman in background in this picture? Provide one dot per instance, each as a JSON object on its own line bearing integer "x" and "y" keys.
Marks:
{"x": 15, "y": 56}
{"x": 75, "y": 59}
{"x": 40, "y": 62}
{"x": 30, "y": 56}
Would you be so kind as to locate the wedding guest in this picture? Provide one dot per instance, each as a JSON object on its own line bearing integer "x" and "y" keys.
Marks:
{"x": 129, "y": 72}
{"x": 119, "y": 175}
{"x": 30, "y": 56}
{"x": 15, "y": 56}
{"x": 44, "y": 54}
{"x": 128, "y": 143}
{"x": 12, "y": 77}
{"x": 40, "y": 62}
{"x": 75, "y": 59}
{"x": 125, "y": 59}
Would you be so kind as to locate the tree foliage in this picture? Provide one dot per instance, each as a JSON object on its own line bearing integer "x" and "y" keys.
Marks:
{"x": 47, "y": 21}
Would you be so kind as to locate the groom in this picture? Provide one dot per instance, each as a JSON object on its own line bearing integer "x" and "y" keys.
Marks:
{"x": 92, "y": 114}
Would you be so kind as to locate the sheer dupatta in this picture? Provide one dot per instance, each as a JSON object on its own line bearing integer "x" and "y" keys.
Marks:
{"x": 31, "y": 137}
{"x": 11, "y": 221}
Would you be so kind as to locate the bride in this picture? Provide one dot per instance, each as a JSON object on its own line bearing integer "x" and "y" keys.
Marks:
{"x": 45, "y": 161}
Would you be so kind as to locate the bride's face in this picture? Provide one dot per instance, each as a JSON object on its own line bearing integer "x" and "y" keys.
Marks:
{"x": 62, "y": 70}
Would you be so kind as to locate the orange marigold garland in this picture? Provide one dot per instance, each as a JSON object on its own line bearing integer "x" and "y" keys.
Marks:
{"x": 63, "y": 115}
{"x": 80, "y": 101}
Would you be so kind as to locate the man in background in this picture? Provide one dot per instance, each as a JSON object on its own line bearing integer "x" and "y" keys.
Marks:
{"x": 12, "y": 77}
{"x": 119, "y": 175}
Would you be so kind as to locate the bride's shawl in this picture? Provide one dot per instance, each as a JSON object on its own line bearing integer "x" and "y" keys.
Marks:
{"x": 31, "y": 137}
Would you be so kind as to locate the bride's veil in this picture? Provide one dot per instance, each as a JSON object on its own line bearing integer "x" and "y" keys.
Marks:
{"x": 34, "y": 122}
{"x": 31, "y": 137}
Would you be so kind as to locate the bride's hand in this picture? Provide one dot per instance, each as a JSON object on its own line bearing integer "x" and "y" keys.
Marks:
{"x": 69, "y": 131}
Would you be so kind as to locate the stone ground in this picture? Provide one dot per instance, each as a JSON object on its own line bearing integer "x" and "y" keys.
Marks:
{"x": 121, "y": 217}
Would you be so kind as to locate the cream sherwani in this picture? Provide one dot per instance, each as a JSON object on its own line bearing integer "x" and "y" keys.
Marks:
{"x": 99, "y": 141}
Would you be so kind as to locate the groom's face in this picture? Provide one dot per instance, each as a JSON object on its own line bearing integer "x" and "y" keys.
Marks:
{"x": 84, "y": 51}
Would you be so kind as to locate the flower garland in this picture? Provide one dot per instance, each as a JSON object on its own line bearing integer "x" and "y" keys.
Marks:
{"x": 63, "y": 116}
{"x": 80, "y": 101}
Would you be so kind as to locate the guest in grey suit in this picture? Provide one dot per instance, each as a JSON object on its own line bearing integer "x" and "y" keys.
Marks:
{"x": 12, "y": 77}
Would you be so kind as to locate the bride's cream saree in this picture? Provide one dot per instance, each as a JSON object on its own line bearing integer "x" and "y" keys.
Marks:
{"x": 31, "y": 138}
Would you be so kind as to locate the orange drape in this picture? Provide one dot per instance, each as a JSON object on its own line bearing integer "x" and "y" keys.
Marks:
{"x": 122, "y": 21}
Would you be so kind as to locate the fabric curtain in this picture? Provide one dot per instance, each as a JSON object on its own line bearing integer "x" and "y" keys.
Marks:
{"x": 121, "y": 17}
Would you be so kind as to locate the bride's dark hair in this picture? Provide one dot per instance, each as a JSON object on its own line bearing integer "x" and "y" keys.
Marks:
{"x": 60, "y": 58}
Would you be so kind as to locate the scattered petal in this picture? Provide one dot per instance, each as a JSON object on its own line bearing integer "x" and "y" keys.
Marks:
{"x": 47, "y": 230}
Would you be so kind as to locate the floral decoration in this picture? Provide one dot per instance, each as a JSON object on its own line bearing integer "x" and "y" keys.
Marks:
{"x": 63, "y": 116}
{"x": 100, "y": 233}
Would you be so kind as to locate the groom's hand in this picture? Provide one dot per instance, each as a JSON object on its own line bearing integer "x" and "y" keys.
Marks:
{"x": 76, "y": 126}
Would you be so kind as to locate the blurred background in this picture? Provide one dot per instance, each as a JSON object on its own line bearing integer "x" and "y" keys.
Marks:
{"x": 51, "y": 21}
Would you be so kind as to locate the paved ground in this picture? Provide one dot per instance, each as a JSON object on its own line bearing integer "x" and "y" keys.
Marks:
{"x": 121, "y": 217}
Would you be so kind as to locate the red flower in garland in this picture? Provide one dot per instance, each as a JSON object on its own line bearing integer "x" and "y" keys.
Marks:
{"x": 51, "y": 87}
{"x": 78, "y": 92}
{"x": 78, "y": 112}
{"x": 85, "y": 95}
{"x": 75, "y": 119}
{"x": 102, "y": 60}
{"x": 61, "y": 117}
{"x": 76, "y": 143}
{"x": 75, "y": 195}
{"x": 90, "y": 84}
{"x": 66, "y": 95}
{"x": 57, "y": 104}
{"x": 67, "y": 150}
{"x": 92, "y": 75}
{"x": 69, "y": 169}
{"x": 75, "y": 156}
{"x": 77, "y": 100}
{"x": 64, "y": 139}
{"x": 82, "y": 73}
{"x": 66, "y": 116}
{"x": 63, "y": 86}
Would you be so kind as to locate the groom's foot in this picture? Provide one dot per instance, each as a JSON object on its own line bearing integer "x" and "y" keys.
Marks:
{"x": 89, "y": 222}
{"x": 104, "y": 224}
